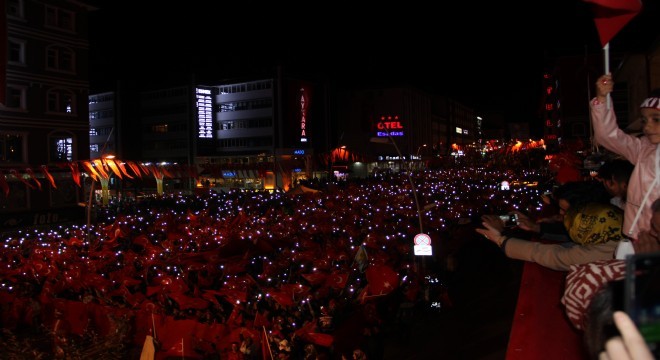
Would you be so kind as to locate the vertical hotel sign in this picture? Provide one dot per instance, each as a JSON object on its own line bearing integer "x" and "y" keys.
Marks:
{"x": 204, "y": 103}
{"x": 304, "y": 105}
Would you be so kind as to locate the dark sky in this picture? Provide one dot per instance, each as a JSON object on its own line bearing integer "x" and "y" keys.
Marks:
{"x": 490, "y": 56}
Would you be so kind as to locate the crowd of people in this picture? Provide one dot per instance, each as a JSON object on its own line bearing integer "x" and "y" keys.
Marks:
{"x": 200, "y": 272}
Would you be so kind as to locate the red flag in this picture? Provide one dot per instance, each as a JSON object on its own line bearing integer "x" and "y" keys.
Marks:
{"x": 236, "y": 317}
{"x": 382, "y": 279}
{"x": 611, "y": 16}
{"x": 296, "y": 291}
{"x": 34, "y": 178}
{"x": 321, "y": 339}
{"x": 306, "y": 328}
{"x": 122, "y": 167}
{"x": 260, "y": 321}
{"x": 337, "y": 280}
{"x": 281, "y": 298}
{"x": 145, "y": 169}
{"x": 135, "y": 168}
{"x": 75, "y": 172}
{"x": 44, "y": 169}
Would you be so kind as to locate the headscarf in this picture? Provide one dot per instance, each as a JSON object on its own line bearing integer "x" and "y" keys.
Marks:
{"x": 594, "y": 223}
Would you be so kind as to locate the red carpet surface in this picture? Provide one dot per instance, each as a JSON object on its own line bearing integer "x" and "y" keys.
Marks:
{"x": 540, "y": 328}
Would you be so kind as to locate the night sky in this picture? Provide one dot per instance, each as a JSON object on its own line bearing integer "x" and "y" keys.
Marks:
{"x": 490, "y": 56}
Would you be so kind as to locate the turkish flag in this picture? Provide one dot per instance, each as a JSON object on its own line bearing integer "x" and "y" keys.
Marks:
{"x": 611, "y": 16}
{"x": 337, "y": 280}
{"x": 382, "y": 279}
{"x": 281, "y": 297}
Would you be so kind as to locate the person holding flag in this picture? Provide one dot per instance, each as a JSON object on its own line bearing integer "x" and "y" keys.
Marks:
{"x": 643, "y": 152}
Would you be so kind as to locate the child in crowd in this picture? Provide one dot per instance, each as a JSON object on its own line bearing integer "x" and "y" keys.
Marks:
{"x": 615, "y": 175}
{"x": 643, "y": 152}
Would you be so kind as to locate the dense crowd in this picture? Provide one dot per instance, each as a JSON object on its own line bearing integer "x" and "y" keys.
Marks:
{"x": 246, "y": 273}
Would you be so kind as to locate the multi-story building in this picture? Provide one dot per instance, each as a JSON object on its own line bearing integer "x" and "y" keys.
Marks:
{"x": 271, "y": 133}
{"x": 44, "y": 121}
{"x": 256, "y": 134}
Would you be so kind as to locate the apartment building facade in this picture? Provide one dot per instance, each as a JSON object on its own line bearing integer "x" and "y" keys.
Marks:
{"x": 44, "y": 121}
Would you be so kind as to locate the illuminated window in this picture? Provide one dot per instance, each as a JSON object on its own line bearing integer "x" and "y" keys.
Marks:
{"x": 60, "y": 146}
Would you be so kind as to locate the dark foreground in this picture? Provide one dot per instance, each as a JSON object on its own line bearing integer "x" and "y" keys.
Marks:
{"x": 483, "y": 289}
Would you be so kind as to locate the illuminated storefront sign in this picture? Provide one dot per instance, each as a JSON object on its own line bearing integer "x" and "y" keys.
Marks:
{"x": 389, "y": 126}
{"x": 204, "y": 113}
